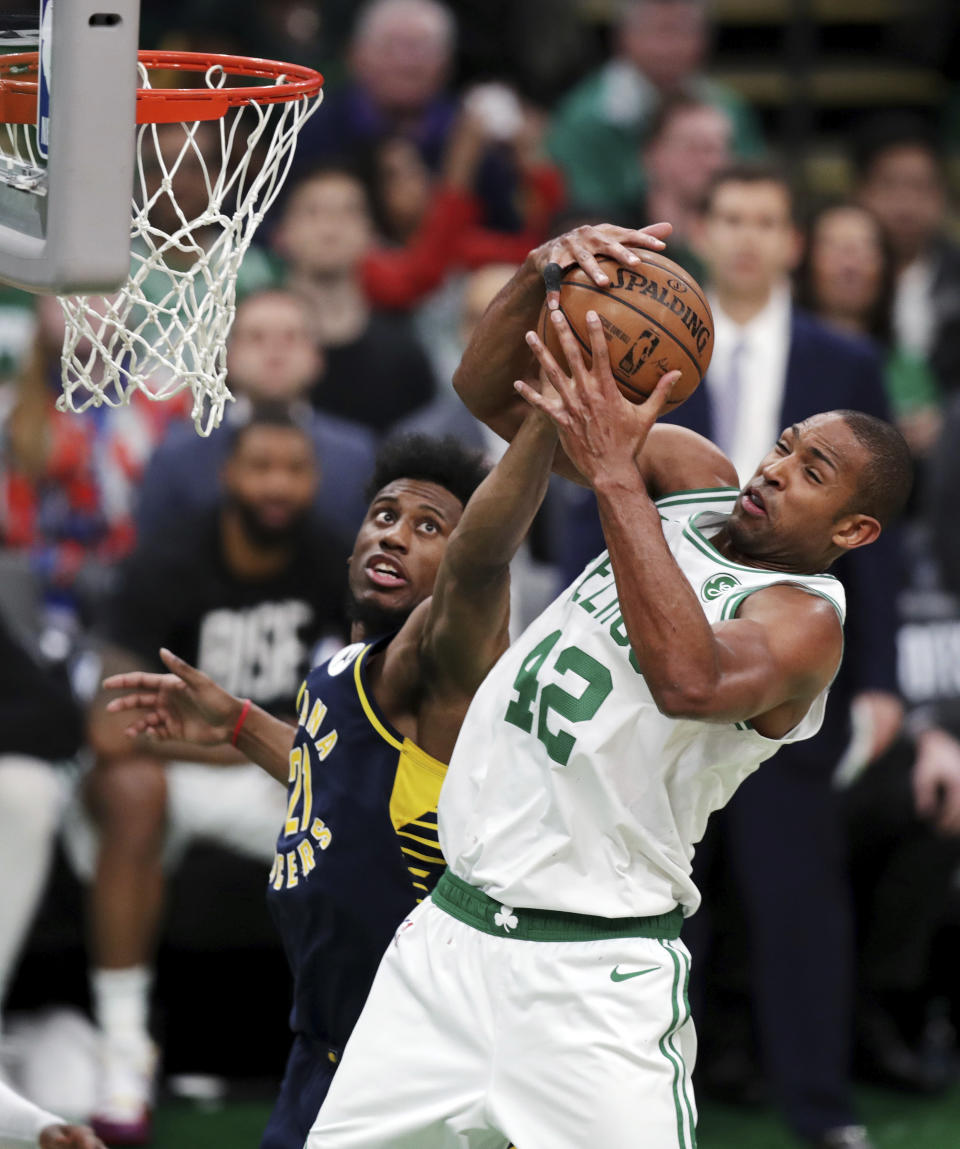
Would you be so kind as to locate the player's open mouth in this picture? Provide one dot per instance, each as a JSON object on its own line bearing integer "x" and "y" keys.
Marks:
{"x": 384, "y": 572}
{"x": 752, "y": 502}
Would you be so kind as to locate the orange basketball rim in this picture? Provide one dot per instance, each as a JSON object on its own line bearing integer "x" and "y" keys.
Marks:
{"x": 167, "y": 105}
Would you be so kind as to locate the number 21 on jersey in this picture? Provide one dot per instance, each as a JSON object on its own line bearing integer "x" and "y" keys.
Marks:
{"x": 531, "y": 696}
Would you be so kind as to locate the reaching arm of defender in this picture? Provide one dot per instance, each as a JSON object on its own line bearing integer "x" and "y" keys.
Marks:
{"x": 785, "y": 645}
{"x": 186, "y": 710}
{"x": 466, "y": 625}
{"x": 497, "y": 353}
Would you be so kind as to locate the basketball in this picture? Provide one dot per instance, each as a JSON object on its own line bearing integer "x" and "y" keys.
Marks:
{"x": 655, "y": 318}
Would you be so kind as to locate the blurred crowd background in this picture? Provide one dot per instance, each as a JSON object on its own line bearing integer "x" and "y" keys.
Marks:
{"x": 452, "y": 138}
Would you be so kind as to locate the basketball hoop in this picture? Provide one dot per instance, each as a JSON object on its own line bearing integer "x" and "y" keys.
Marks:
{"x": 199, "y": 196}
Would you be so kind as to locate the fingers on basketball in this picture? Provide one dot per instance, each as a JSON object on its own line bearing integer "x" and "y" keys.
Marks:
{"x": 660, "y": 398}
{"x": 655, "y": 320}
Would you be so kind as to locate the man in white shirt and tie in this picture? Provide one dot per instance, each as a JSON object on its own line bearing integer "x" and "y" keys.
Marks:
{"x": 774, "y": 366}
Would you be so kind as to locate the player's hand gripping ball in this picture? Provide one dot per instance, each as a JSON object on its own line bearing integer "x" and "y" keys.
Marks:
{"x": 655, "y": 319}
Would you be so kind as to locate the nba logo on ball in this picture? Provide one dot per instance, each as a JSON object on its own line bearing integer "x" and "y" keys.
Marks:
{"x": 718, "y": 585}
{"x": 655, "y": 319}
{"x": 639, "y": 353}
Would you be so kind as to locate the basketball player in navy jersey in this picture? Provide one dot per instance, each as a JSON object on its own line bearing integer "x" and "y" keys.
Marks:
{"x": 429, "y": 583}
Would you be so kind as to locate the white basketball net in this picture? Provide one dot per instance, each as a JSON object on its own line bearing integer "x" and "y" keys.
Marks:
{"x": 198, "y": 199}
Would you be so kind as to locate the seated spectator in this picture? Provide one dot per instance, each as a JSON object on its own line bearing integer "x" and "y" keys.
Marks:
{"x": 376, "y": 371}
{"x": 272, "y": 356}
{"x": 687, "y": 144}
{"x": 245, "y": 592}
{"x": 436, "y": 226}
{"x": 40, "y": 727}
{"x": 67, "y": 482}
{"x": 401, "y": 57}
{"x": 900, "y": 177}
{"x": 600, "y": 126}
{"x": 847, "y": 279}
{"x": 903, "y": 822}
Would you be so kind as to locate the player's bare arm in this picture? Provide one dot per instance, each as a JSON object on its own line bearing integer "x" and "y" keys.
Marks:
{"x": 766, "y": 665}
{"x": 451, "y": 640}
{"x": 466, "y": 627}
{"x": 109, "y": 735}
{"x": 185, "y": 714}
{"x": 497, "y": 353}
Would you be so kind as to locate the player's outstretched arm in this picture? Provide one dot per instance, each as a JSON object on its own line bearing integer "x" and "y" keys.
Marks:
{"x": 466, "y": 626}
{"x": 784, "y": 647}
{"x": 187, "y": 708}
{"x": 497, "y": 353}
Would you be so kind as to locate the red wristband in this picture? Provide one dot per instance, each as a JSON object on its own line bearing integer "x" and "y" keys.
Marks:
{"x": 244, "y": 711}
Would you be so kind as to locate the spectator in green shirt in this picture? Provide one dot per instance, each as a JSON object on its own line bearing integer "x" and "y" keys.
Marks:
{"x": 600, "y": 126}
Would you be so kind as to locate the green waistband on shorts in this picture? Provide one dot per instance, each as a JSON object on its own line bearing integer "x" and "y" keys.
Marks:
{"x": 472, "y": 906}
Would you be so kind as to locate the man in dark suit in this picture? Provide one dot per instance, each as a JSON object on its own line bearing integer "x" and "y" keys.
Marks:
{"x": 781, "y": 835}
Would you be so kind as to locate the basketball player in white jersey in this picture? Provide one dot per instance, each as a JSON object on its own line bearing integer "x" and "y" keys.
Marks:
{"x": 540, "y": 995}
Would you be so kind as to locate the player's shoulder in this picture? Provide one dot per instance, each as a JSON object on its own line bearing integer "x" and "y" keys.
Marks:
{"x": 683, "y": 461}
{"x": 817, "y": 601}
{"x": 803, "y": 626}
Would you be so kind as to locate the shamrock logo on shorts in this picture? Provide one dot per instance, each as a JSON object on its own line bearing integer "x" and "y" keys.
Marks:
{"x": 506, "y": 919}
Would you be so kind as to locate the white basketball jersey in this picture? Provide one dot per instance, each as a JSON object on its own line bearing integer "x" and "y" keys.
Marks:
{"x": 568, "y": 789}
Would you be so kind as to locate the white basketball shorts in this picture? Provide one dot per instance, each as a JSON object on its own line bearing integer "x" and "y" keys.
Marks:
{"x": 469, "y": 1039}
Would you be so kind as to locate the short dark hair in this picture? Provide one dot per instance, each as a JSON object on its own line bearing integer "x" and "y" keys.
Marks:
{"x": 669, "y": 108}
{"x": 751, "y": 172}
{"x": 446, "y": 462}
{"x": 887, "y": 479}
{"x": 338, "y": 168}
{"x": 880, "y": 134}
{"x": 288, "y": 416}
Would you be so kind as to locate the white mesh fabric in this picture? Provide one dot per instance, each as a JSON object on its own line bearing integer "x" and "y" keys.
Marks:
{"x": 166, "y": 328}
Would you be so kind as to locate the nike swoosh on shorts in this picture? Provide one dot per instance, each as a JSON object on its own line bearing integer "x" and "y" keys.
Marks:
{"x": 615, "y": 975}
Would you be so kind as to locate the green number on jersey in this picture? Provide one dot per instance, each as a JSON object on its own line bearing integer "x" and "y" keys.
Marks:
{"x": 574, "y": 707}
{"x": 520, "y": 711}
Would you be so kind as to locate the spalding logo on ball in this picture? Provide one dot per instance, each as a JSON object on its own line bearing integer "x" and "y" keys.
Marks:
{"x": 655, "y": 318}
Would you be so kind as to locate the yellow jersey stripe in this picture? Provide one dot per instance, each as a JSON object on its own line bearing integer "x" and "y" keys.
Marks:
{"x": 439, "y": 861}
{"x": 418, "y": 873}
{"x": 367, "y": 708}
{"x": 414, "y": 838}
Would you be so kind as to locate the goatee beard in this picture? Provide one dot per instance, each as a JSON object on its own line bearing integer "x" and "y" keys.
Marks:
{"x": 264, "y": 535}
{"x": 374, "y": 618}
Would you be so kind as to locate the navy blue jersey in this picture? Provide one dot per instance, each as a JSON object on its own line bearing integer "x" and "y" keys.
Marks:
{"x": 358, "y": 848}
